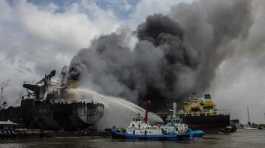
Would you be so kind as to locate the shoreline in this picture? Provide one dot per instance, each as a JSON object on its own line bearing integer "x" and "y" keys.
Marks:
{"x": 39, "y": 133}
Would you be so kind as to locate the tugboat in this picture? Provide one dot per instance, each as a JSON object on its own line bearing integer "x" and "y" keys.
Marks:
{"x": 140, "y": 129}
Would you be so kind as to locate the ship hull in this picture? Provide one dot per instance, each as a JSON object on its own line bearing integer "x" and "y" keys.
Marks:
{"x": 172, "y": 137}
{"x": 54, "y": 116}
{"x": 211, "y": 123}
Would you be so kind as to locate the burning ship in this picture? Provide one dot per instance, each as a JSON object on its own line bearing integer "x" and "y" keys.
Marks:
{"x": 49, "y": 104}
{"x": 201, "y": 113}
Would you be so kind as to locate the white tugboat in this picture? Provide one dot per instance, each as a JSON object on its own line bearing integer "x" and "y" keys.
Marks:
{"x": 139, "y": 128}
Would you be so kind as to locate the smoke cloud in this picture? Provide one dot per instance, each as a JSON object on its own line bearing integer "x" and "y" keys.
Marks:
{"x": 37, "y": 38}
{"x": 175, "y": 55}
{"x": 223, "y": 43}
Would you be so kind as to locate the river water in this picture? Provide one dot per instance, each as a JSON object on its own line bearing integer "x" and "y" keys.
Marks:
{"x": 240, "y": 139}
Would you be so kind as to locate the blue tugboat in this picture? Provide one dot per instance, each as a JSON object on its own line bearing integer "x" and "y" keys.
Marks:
{"x": 140, "y": 129}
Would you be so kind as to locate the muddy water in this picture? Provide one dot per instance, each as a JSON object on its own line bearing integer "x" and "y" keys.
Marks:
{"x": 240, "y": 139}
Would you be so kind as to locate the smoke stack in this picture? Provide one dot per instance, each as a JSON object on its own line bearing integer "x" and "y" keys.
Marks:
{"x": 147, "y": 105}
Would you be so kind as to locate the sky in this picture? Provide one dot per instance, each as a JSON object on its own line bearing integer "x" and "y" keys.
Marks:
{"x": 40, "y": 35}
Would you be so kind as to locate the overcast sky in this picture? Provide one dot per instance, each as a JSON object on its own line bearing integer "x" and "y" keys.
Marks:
{"x": 37, "y": 36}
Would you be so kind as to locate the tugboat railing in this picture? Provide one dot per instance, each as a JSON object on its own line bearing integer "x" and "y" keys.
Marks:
{"x": 206, "y": 113}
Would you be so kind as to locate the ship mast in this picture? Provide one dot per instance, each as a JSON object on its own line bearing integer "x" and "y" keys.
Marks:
{"x": 2, "y": 91}
{"x": 146, "y": 106}
{"x": 248, "y": 115}
{"x": 2, "y": 87}
{"x": 2, "y": 96}
{"x": 174, "y": 110}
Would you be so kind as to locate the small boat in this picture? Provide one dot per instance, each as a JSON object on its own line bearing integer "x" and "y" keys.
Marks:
{"x": 140, "y": 129}
{"x": 250, "y": 128}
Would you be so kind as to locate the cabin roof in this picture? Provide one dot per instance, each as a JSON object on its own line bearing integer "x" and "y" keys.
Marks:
{"x": 8, "y": 122}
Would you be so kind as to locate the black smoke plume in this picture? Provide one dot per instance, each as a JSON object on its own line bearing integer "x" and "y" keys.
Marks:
{"x": 176, "y": 54}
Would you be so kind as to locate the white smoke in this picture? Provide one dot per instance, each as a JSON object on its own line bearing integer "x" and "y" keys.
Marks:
{"x": 240, "y": 81}
{"x": 117, "y": 111}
